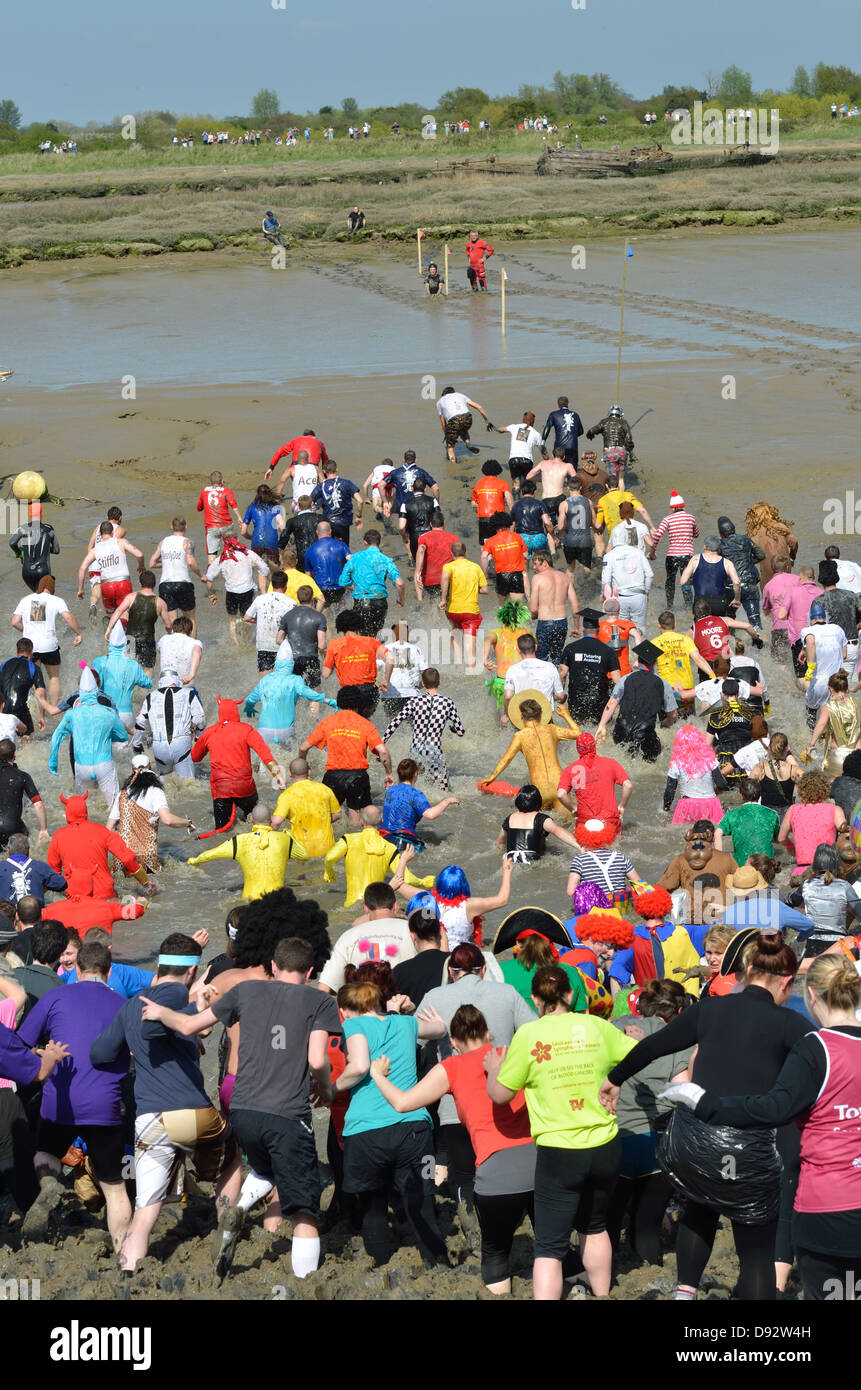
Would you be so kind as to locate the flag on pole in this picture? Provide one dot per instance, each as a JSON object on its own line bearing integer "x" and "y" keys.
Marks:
{"x": 628, "y": 252}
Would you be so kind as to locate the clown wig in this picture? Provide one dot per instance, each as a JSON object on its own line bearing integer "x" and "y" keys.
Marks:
{"x": 692, "y": 751}
{"x": 653, "y": 905}
{"x": 606, "y": 927}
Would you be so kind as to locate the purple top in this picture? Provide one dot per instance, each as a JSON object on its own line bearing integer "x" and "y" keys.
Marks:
{"x": 17, "y": 1061}
{"x": 78, "y": 1093}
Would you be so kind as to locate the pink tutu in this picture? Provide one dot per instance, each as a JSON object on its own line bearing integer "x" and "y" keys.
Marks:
{"x": 691, "y": 808}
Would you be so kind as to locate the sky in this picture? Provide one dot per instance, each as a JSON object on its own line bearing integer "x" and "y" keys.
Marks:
{"x": 99, "y": 59}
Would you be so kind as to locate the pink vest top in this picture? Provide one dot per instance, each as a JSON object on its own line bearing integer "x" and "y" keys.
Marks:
{"x": 830, "y": 1177}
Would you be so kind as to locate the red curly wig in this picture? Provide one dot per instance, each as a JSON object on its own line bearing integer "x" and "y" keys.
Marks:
{"x": 606, "y": 927}
{"x": 597, "y": 839}
{"x": 657, "y": 903}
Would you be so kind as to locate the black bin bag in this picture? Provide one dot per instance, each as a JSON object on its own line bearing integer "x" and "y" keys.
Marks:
{"x": 734, "y": 1171}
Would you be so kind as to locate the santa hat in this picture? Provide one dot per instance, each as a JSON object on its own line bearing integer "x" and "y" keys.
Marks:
{"x": 676, "y": 499}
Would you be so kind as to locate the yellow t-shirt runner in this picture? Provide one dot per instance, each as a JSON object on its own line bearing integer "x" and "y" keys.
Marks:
{"x": 561, "y": 1061}
{"x": 309, "y": 807}
{"x": 608, "y": 507}
{"x": 465, "y": 580}
{"x": 675, "y": 665}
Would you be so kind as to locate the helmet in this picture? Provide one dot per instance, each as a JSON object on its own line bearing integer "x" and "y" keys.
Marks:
{"x": 615, "y": 412}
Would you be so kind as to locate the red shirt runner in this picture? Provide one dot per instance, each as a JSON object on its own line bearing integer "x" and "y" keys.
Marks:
{"x": 437, "y": 546}
{"x": 594, "y": 788}
{"x": 711, "y": 638}
{"x": 229, "y": 744}
{"x": 215, "y": 503}
{"x": 314, "y": 447}
{"x": 508, "y": 551}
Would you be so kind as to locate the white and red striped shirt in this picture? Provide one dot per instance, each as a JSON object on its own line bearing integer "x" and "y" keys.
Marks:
{"x": 682, "y": 528}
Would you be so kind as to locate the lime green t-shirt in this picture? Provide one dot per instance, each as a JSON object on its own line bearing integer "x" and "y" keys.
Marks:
{"x": 520, "y": 978}
{"x": 561, "y": 1061}
{"x": 752, "y": 827}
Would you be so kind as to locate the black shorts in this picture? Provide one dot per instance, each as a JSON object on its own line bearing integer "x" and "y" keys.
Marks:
{"x": 47, "y": 658}
{"x": 104, "y": 1145}
{"x": 145, "y": 651}
{"x": 340, "y": 532}
{"x": 579, "y": 553}
{"x": 372, "y": 613}
{"x": 573, "y": 1188}
{"x": 239, "y": 603}
{"x": 518, "y": 468}
{"x": 333, "y": 596}
{"x": 222, "y": 807}
{"x": 553, "y": 504}
{"x": 485, "y": 528}
{"x": 376, "y": 1158}
{"x": 177, "y": 594}
{"x": 718, "y": 607}
{"x": 510, "y": 583}
{"x": 282, "y": 1148}
{"x": 265, "y": 660}
{"x": 352, "y": 786}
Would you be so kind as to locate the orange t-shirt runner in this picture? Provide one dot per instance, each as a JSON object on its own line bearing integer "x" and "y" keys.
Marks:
{"x": 354, "y": 659}
{"x": 489, "y": 496}
{"x": 347, "y": 738}
{"x": 607, "y": 628}
{"x": 508, "y": 550}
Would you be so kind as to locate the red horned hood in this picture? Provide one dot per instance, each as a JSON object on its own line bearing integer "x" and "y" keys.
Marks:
{"x": 228, "y": 711}
{"x": 76, "y": 808}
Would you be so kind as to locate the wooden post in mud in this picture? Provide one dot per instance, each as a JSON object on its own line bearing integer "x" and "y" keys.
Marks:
{"x": 446, "y": 269}
{"x": 504, "y": 277}
{"x": 419, "y": 248}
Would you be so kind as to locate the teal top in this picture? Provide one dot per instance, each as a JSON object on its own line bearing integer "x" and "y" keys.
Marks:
{"x": 395, "y": 1037}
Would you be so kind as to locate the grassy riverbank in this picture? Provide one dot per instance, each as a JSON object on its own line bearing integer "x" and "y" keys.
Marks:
{"x": 188, "y": 201}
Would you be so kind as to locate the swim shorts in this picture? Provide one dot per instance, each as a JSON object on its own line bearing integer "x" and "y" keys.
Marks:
{"x": 164, "y": 1140}
{"x": 467, "y": 622}
{"x": 535, "y": 540}
{"x": 177, "y": 595}
{"x": 113, "y": 593}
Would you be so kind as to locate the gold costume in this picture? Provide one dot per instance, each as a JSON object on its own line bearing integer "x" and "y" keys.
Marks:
{"x": 538, "y": 744}
{"x": 842, "y": 732}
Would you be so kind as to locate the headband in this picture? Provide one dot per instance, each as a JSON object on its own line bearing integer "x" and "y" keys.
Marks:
{"x": 179, "y": 960}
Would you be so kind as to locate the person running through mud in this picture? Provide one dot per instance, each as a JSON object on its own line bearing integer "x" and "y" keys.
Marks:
{"x": 455, "y": 415}
{"x": 476, "y": 251}
{"x": 109, "y": 556}
{"x": 554, "y": 474}
{"x": 567, "y": 428}
{"x": 618, "y": 442}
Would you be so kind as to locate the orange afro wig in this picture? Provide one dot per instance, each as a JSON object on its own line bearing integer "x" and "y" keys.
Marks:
{"x": 657, "y": 903}
{"x": 607, "y": 927}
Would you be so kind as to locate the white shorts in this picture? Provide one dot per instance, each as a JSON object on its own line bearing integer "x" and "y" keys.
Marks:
{"x": 163, "y": 1142}
{"x": 213, "y": 540}
{"x": 103, "y": 773}
{"x": 174, "y": 756}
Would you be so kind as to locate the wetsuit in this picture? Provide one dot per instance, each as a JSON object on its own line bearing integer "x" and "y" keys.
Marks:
{"x": 34, "y": 544}
{"x": 140, "y": 621}
{"x": 567, "y": 428}
{"x": 18, "y": 676}
{"x": 15, "y": 784}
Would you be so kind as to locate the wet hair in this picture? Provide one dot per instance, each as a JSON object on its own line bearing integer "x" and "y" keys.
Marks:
{"x": 835, "y": 981}
{"x": 348, "y": 621}
{"x": 718, "y": 936}
{"x": 430, "y": 678}
{"x": 839, "y": 682}
{"x": 372, "y": 972}
{"x": 702, "y": 608}
{"x": 452, "y": 882}
{"x": 491, "y": 468}
{"x": 813, "y": 787}
{"x": 279, "y": 579}
{"x": 466, "y": 957}
{"x": 93, "y": 958}
{"x": 534, "y": 952}
{"x": 662, "y": 999}
{"x": 361, "y": 997}
{"x": 293, "y": 954}
{"x": 379, "y": 895}
{"x": 748, "y": 790}
{"x": 530, "y": 709}
{"x": 182, "y": 624}
{"x": 48, "y": 942}
{"x": 527, "y": 487}
{"x": 146, "y": 579}
{"x": 825, "y": 864}
{"x": 278, "y": 914}
{"x": 348, "y": 697}
{"x": 177, "y": 944}
{"x": 551, "y": 985}
{"x": 769, "y": 955}
{"x": 765, "y": 865}
{"x": 265, "y": 496}
{"x": 778, "y": 745}
{"x": 372, "y": 537}
{"x": 468, "y": 1025}
{"x": 407, "y": 769}
{"x": 528, "y": 798}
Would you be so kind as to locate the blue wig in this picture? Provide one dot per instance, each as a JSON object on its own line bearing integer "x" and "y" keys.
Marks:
{"x": 452, "y": 882}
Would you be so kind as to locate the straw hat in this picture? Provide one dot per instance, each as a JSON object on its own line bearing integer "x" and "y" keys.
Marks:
{"x": 516, "y": 701}
{"x": 745, "y": 880}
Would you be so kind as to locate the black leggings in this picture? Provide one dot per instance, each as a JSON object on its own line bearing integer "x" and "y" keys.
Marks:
{"x": 648, "y": 1197}
{"x": 754, "y": 1246}
{"x": 824, "y": 1277}
{"x": 373, "y": 1215}
{"x": 499, "y": 1217}
{"x": 675, "y": 565}
{"x": 460, "y": 1160}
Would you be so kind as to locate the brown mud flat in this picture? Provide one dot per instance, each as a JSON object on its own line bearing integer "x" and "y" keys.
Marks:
{"x": 80, "y": 1266}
